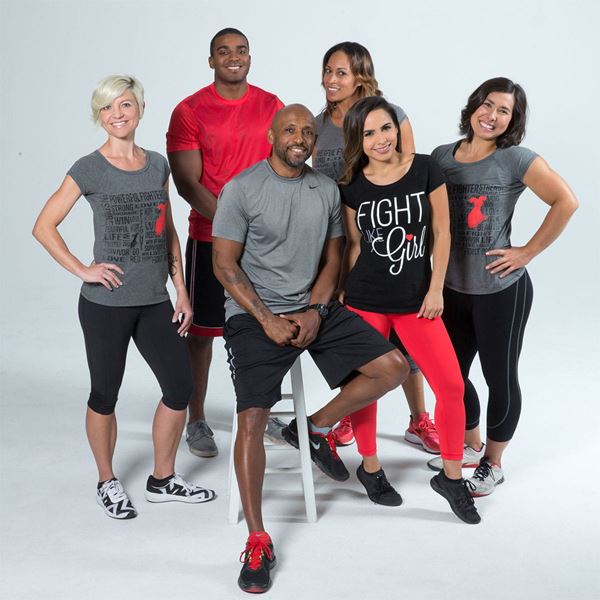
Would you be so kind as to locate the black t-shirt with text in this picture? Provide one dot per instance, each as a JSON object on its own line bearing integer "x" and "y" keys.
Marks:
{"x": 393, "y": 272}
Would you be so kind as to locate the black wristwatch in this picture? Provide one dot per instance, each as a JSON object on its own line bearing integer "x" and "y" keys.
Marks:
{"x": 321, "y": 309}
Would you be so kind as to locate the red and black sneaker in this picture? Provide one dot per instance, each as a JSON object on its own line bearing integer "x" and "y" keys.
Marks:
{"x": 258, "y": 559}
{"x": 322, "y": 451}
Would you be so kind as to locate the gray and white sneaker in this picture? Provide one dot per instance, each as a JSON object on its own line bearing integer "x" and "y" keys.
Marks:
{"x": 273, "y": 430}
{"x": 471, "y": 458}
{"x": 485, "y": 479}
{"x": 200, "y": 439}
{"x": 111, "y": 496}
{"x": 176, "y": 489}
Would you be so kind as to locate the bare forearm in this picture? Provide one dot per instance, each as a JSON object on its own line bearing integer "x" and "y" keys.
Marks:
{"x": 175, "y": 262}
{"x": 552, "y": 226}
{"x": 351, "y": 254}
{"x": 53, "y": 242}
{"x": 440, "y": 255}
{"x": 239, "y": 287}
{"x": 325, "y": 283}
{"x": 198, "y": 197}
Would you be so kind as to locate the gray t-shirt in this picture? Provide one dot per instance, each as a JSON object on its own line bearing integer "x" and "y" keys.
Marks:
{"x": 130, "y": 210}
{"x": 327, "y": 157}
{"x": 482, "y": 198}
{"x": 283, "y": 224}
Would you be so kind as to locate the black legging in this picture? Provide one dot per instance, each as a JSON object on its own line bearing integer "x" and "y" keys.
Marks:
{"x": 493, "y": 325}
{"x": 107, "y": 331}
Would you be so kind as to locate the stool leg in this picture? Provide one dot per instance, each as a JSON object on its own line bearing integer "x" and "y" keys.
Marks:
{"x": 234, "y": 492}
{"x": 305, "y": 461}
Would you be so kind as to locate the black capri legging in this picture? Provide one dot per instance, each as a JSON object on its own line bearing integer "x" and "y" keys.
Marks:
{"x": 493, "y": 325}
{"x": 107, "y": 331}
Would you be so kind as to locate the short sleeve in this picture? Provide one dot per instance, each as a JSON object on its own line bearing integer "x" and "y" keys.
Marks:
{"x": 522, "y": 159}
{"x": 165, "y": 168}
{"x": 83, "y": 175}
{"x": 230, "y": 221}
{"x": 184, "y": 130}
{"x": 400, "y": 113}
{"x": 334, "y": 228}
{"x": 435, "y": 177}
{"x": 346, "y": 195}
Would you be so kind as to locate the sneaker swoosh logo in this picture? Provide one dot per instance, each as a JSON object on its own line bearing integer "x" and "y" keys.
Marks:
{"x": 315, "y": 445}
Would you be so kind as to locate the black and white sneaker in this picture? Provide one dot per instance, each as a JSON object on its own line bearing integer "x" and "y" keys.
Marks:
{"x": 322, "y": 451}
{"x": 176, "y": 489}
{"x": 111, "y": 496}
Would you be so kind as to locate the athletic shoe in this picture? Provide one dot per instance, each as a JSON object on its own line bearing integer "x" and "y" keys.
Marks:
{"x": 424, "y": 433}
{"x": 379, "y": 489}
{"x": 111, "y": 496}
{"x": 343, "y": 434}
{"x": 200, "y": 439}
{"x": 176, "y": 489}
{"x": 486, "y": 477}
{"x": 471, "y": 458}
{"x": 258, "y": 559}
{"x": 273, "y": 430}
{"x": 322, "y": 451}
{"x": 457, "y": 492}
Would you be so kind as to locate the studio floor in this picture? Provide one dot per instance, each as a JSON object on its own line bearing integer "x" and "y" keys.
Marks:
{"x": 538, "y": 537}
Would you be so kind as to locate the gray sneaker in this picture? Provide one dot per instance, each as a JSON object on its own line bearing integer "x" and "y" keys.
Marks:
{"x": 200, "y": 439}
{"x": 273, "y": 430}
{"x": 471, "y": 458}
{"x": 485, "y": 479}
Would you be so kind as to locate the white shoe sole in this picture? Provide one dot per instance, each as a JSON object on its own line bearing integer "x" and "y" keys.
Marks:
{"x": 417, "y": 441}
{"x": 158, "y": 498}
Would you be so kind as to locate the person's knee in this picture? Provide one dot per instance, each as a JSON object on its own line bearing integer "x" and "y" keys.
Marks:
{"x": 103, "y": 404}
{"x": 393, "y": 369}
{"x": 252, "y": 422}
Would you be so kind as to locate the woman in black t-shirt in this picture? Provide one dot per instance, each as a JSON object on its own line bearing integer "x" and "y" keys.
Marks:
{"x": 391, "y": 201}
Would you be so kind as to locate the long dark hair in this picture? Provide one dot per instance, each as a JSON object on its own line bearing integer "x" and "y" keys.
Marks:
{"x": 515, "y": 131}
{"x": 361, "y": 65}
{"x": 354, "y": 125}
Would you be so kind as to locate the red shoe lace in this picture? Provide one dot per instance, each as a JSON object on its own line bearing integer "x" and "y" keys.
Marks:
{"x": 257, "y": 546}
{"x": 331, "y": 442}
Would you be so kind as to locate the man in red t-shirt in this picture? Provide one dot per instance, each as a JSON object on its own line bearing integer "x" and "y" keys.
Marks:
{"x": 213, "y": 135}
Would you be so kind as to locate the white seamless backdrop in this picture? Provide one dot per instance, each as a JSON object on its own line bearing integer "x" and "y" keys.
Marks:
{"x": 540, "y": 531}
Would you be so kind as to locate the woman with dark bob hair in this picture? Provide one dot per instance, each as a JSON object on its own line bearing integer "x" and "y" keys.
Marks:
{"x": 124, "y": 295}
{"x": 488, "y": 293}
{"x": 347, "y": 76}
{"x": 396, "y": 217}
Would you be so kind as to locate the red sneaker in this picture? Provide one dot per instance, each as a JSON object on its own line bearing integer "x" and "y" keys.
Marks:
{"x": 342, "y": 433}
{"x": 423, "y": 432}
{"x": 258, "y": 559}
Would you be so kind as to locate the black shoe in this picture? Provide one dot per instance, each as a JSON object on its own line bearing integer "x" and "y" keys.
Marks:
{"x": 379, "y": 489}
{"x": 457, "y": 493}
{"x": 258, "y": 559}
{"x": 322, "y": 451}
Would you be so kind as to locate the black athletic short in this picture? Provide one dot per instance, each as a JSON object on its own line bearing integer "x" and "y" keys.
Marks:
{"x": 258, "y": 365}
{"x": 396, "y": 341}
{"x": 204, "y": 289}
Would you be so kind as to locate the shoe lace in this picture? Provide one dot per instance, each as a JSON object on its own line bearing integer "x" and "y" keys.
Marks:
{"x": 383, "y": 485}
{"x": 483, "y": 470}
{"x": 426, "y": 425}
{"x": 256, "y": 548}
{"x": 466, "y": 498}
{"x": 200, "y": 430}
{"x": 188, "y": 487}
{"x": 115, "y": 490}
{"x": 345, "y": 425}
{"x": 331, "y": 443}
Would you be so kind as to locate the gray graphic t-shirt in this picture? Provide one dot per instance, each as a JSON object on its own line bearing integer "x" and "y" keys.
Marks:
{"x": 327, "y": 157}
{"x": 130, "y": 210}
{"x": 482, "y": 198}
{"x": 283, "y": 224}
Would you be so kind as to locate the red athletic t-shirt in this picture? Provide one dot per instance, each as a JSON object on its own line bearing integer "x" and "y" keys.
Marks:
{"x": 230, "y": 134}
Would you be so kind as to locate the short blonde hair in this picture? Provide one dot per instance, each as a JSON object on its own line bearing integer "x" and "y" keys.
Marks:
{"x": 112, "y": 87}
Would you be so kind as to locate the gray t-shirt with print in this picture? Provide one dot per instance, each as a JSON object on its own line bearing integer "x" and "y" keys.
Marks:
{"x": 327, "y": 157}
{"x": 130, "y": 209}
{"x": 283, "y": 224}
{"x": 482, "y": 198}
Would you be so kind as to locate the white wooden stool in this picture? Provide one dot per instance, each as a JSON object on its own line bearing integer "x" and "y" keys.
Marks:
{"x": 299, "y": 411}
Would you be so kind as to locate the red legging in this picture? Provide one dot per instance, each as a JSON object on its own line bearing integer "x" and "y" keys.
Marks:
{"x": 427, "y": 341}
